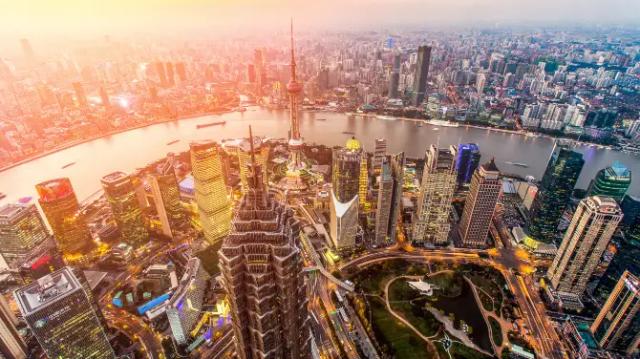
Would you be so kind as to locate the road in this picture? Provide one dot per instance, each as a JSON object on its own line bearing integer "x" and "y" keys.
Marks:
{"x": 137, "y": 330}
{"x": 545, "y": 339}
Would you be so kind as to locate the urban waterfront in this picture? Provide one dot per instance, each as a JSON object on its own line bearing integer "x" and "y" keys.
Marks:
{"x": 132, "y": 149}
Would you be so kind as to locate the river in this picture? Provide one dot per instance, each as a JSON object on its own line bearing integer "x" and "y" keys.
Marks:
{"x": 131, "y": 149}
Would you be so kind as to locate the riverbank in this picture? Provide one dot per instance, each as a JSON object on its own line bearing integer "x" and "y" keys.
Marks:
{"x": 457, "y": 124}
{"x": 105, "y": 135}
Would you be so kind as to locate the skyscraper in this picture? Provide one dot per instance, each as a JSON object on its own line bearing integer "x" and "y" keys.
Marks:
{"x": 631, "y": 221}
{"x": 27, "y": 52}
{"x": 627, "y": 249}
{"x": 160, "y": 71}
{"x": 431, "y": 222}
{"x": 121, "y": 195}
{"x": 185, "y": 306}
{"x": 171, "y": 81}
{"x": 467, "y": 161}
{"x": 554, "y": 192}
{"x": 588, "y": 235}
{"x": 345, "y": 199}
{"x": 181, "y": 71}
{"x": 363, "y": 181}
{"x": 612, "y": 182}
{"x": 389, "y": 198}
{"x": 480, "y": 205}
{"x": 11, "y": 343}
{"x": 422, "y": 72}
{"x": 379, "y": 153}
{"x": 61, "y": 208}
{"x": 343, "y": 222}
{"x": 104, "y": 97}
{"x": 166, "y": 196}
{"x": 64, "y": 318}
{"x": 394, "y": 81}
{"x": 210, "y": 191}
{"x": 346, "y": 170}
{"x": 617, "y": 326}
{"x": 261, "y": 268}
{"x": 81, "y": 96}
{"x": 21, "y": 230}
{"x": 261, "y": 154}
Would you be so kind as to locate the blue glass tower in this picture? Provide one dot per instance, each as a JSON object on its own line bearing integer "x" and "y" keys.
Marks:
{"x": 467, "y": 160}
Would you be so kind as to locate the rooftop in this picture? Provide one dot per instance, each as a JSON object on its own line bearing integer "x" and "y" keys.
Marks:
{"x": 115, "y": 177}
{"x": 353, "y": 144}
{"x": 46, "y": 290}
{"x": 11, "y": 210}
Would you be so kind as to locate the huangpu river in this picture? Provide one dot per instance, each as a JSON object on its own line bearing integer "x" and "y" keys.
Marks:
{"x": 129, "y": 150}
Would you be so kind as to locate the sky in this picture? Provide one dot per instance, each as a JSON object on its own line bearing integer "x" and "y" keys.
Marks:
{"x": 78, "y": 18}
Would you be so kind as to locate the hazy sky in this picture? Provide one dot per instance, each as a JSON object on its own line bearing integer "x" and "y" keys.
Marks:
{"x": 35, "y": 18}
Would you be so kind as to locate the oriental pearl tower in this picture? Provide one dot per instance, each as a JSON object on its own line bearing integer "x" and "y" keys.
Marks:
{"x": 292, "y": 181}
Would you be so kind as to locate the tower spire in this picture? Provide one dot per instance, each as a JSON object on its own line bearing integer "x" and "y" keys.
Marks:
{"x": 293, "y": 57}
{"x": 253, "y": 160}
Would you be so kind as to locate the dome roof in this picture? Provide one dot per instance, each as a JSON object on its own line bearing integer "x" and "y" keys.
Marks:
{"x": 353, "y": 144}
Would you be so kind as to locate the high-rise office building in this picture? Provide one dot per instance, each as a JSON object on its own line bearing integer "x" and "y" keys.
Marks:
{"x": 11, "y": 343}
{"x": 431, "y": 222}
{"x": 104, "y": 97}
{"x": 617, "y": 326}
{"x": 81, "y": 96}
{"x": 258, "y": 64}
{"x": 60, "y": 206}
{"x": 588, "y": 235}
{"x": 394, "y": 80}
{"x": 261, "y": 268}
{"x": 467, "y": 161}
{"x": 345, "y": 200}
{"x": 27, "y": 52}
{"x": 181, "y": 71}
{"x": 346, "y": 170}
{"x": 612, "y": 182}
{"x": 422, "y": 72}
{"x": 63, "y": 316}
{"x": 261, "y": 154}
{"x": 166, "y": 196}
{"x": 631, "y": 220}
{"x": 383, "y": 207}
{"x": 379, "y": 153}
{"x": 363, "y": 182}
{"x": 480, "y": 205}
{"x": 554, "y": 192}
{"x": 121, "y": 195}
{"x": 161, "y": 72}
{"x": 171, "y": 81}
{"x": 389, "y": 199}
{"x": 21, "y": 230}
{"x": 210, "y": 191}
{"x": 185, "y": 306}
{"x": 627, "y": 249}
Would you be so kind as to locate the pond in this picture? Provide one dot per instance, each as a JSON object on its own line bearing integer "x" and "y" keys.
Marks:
{"x": 465, "y": 308}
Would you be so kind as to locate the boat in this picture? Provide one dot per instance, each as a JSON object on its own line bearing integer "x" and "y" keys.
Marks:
{"x": 2, "y": 195}
{"x": 68, "y": 165}
{"x": 420, "y": 124}
{"x": 443, "y": 123}
{"x": 218, "y": 123}
{"x": 436, "y": 128}
{"x": 519, "y": 164}
{"x": 348, "y": 133}
{"x": 241, "y": 109}
{"x": 321, "y": 119}
{"x": 172, "y": 142}
{"x": 386, "y": 118}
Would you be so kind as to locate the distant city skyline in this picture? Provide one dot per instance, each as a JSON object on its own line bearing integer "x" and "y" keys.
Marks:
{"x": 84, "y": 18}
